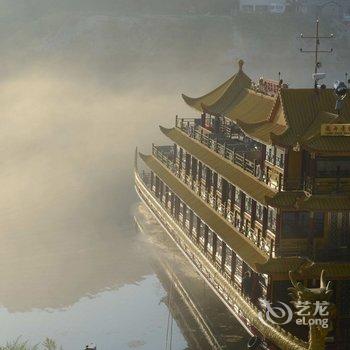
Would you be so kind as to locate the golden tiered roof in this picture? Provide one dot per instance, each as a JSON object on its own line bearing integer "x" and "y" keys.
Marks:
{"x": 298, "y": 119}
{"x": 293, "y": 116}
{"x": 234, "y": 99}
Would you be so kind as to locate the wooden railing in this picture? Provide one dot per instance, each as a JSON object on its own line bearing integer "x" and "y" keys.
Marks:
{"x": 188, "y": 125}
{"x": 314, "y": 185}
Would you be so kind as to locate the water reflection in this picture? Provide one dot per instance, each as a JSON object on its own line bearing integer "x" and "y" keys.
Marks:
{"x": 55, "y": 272}
{"x": 204, "y": 320}
{"x": 129, "y": 318}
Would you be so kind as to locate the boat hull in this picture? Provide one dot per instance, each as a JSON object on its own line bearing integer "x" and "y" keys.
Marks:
{"x": 220, "y": 286}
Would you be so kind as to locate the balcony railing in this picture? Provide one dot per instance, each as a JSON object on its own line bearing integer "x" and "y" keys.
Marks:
{"x": 289, "y": 250}
{"x": 311, "y": 185}
{"x": 190, "y": 127}
{"x": 319, "y": 185}
{"x": 275, "y": 160}
{"x": 213, "y": 201}
{"x": 326, "y": 186}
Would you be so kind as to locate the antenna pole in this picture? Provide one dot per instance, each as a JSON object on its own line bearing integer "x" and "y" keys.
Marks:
{"x": 317, "y": 44}
{"x": 317, "y": 50}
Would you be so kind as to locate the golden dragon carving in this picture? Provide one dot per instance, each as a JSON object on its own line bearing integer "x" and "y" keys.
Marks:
{"x": 313, "y": 297}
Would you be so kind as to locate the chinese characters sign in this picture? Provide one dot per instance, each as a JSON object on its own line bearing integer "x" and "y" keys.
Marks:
{"x": 335, "y": 130}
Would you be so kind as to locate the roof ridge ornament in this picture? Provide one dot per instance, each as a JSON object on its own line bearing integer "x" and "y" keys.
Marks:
{"x": 240, "y": 65}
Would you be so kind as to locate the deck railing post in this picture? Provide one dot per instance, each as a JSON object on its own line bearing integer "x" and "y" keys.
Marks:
{"x": 280, "y": 176}
{"x": 271, "y": 249}
{"x": 255, "y": 167}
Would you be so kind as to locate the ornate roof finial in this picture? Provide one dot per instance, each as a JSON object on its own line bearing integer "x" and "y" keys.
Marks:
{"x": 240, "y": 65}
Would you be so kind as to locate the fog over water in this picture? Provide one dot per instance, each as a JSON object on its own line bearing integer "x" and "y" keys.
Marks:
{"x": 83, "y": 83}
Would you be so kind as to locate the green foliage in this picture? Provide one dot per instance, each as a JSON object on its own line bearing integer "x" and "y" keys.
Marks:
{"x": 18, "y": 344}
{"x": 49, "y": 344}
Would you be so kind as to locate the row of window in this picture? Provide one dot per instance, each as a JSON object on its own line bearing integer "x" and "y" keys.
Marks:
{"x": 231, "y": 263}
{"x": 275, "y": 155}
{"x": 213, "y": 178}
{"x": 333, "y": 167}
{"x": 219, "y": 247}
{"x": 300, "y": 224}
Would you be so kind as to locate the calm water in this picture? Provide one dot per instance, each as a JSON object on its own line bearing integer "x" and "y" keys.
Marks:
{"x": 125, "y": 318}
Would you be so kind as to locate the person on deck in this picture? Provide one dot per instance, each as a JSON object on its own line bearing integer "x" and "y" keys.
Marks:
{"x": 247, "y": 284}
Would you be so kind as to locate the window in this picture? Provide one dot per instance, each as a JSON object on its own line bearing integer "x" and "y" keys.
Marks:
{"x": 184, "y": 157}
{"x": 248, "y": 204}
{"x": 248, "y": 8}
{"x": 318, "y": 224}
{"x": 237, "y": 219}
{"x": 204, "y": 172}
{"x": 261, "y": 8}
{"x": 218, "y": 248}
{"x": 295, "y": 224}
{"x": 333, "y": 167}
{"x": 219, "y": 185}
{"x": 228, "y": 260}
{"x": 271, "y": 219}
{"x": 210, "y": 240}
{"x": 188, "y": 163}
{"x": 269, "y": 154}
{"x": 280, "y": 157}
{"x": 344, "y": 300}
{"x": 201, "y": 234}
{"x": 237, "y": 197}
{"x": 181, "y": 151}
{"x": 259, "y": 212}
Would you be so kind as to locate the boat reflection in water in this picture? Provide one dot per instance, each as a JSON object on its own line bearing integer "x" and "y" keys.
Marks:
{"x": 203, "y": 319}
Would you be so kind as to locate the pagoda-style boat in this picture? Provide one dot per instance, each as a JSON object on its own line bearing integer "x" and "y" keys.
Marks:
{"x": 255, "y": 191}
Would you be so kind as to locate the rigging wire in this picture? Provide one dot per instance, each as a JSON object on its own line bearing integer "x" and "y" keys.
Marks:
{"x": 170, "y": 321}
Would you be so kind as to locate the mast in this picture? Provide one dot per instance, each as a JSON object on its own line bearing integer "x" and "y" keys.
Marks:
{"x": 317, "y": 76}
